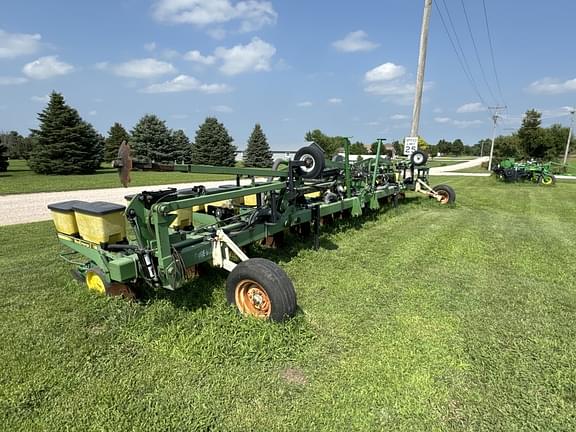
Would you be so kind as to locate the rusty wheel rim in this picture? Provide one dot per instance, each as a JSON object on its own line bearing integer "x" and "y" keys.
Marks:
{"x": 444, "y": 197}
{"x": 252, "y": 299}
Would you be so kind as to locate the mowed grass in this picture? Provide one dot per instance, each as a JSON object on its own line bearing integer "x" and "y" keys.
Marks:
{"x": 20, "y": 179}
{"x": 417, "y": 318}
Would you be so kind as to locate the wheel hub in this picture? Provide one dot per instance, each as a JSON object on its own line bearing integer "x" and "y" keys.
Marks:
{"x": 251, "y": 299}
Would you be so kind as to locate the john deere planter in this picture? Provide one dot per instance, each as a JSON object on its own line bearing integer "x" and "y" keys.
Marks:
{"x": 535, "y": 172}
{"x": 176, "y": 230}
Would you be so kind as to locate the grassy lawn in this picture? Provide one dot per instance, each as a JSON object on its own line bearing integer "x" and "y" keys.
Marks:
{"x": 433, "y": 163}
{"x": 420, "y": 318}
{"x": 476, "y": 169}
{"x": 20, "y": 179}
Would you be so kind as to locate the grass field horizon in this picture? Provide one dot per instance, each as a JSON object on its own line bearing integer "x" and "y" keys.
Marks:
{"x": 423, "y": 317}
{"x": 21, "y": 179}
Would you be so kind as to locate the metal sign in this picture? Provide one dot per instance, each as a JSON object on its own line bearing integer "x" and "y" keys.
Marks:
{"x": 410, "y": 145}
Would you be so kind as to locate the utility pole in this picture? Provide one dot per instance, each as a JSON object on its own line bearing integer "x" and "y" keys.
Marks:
{"x": 495, "y": 118}
{"x": 569, "y": 137}
{"x": 421, "y": 67}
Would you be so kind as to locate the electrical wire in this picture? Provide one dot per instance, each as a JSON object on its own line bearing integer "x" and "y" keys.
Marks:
{"x": 492, "y": 53}
{"x": 476, "y": 52}
{"x": 461, "y": 57}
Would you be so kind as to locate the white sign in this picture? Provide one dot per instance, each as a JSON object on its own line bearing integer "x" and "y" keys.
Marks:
{"x": 410, "y": 145}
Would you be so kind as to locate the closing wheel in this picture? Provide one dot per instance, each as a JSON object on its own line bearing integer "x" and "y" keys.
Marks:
{"x": 260, "y": 288}
{"x": 97, "y": 281}
{"x": 313, "y": 158}
{"x": 446, "y": 193}
{"x": 419, "y": 158}
{"x": 547, "y": 180}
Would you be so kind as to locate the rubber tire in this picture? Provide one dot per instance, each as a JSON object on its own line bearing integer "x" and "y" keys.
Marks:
{"x": 272, "y": 279}
{"x": 419, "y": 158}
{"x": 317, "y": 156}
{"x": 552, "y": 180}
{"x": 451, "y": 193}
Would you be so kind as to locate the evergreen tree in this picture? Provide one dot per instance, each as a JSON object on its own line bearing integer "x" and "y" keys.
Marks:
{"x": 3, "y": 154}
{"x": 213, "y": 144}
{"x": 152, "y": 140}
{"x": 183, "y": 146}
{"x": 65, "y": 144}
{"x": 116, "y": 135}
{"x": 258, "y": 152}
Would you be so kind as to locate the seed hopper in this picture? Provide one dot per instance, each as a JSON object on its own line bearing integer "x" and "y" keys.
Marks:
{"x": 174, "y": 231}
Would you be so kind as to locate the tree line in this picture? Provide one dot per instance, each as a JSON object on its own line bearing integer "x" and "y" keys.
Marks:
{"x": 64, "y": 143}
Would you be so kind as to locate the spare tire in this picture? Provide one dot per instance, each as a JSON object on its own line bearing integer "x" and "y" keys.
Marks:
{"x": 314, "y": 161}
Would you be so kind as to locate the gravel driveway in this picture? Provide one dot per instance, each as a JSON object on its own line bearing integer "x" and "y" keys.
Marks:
{"x": 24, "y": 208}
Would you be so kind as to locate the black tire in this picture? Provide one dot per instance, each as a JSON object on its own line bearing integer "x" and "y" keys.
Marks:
{"x": 419, "y": 158}
{"x": 260, "y": 288}
{"x": 448, "y": 194}
{"x": 314, "y": 158}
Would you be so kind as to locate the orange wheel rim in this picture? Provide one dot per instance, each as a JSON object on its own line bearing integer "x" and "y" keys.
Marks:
{"x": 444, "y": 197}
{"x": 251, "y": 299}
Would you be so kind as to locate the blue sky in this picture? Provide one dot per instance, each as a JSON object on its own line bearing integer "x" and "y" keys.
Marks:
{"x": 347, "y": 68}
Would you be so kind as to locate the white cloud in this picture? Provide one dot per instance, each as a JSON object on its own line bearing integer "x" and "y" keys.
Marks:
{"x": 556, "y": 112}
{"x": 222, "y": 109}
{"x": 385, "y": 72}
{"x": 184, "y": 83}
{"x": 335, "y": 100}
{"x": 150, "y": 46}
{"x": 217, "y": 33}
{"x": 18, "y": 44}
{"x": 304, "y": 104}
{"x": 373, "y": 123}
{"x": 142, "y": 68}
{"x": 552, "y": 86}
{"x": 355, "y": 42}
{"x": 458, "y": 123}
{"x": 197, "y": 57}
{"x": 42, "y": 99}
{"x": 438, "y": 110}
{"x": 251, "y": 14}
{"x": 391, "y": 89}
{"x": 472, "y": 107}
{"x": 179, "y": 116}
{"x": 6, "y": 80}
{"x": 93, "y": 113}
{"x": 47, "y": 67}
{"x": 398, "y": 117}
{"x": 254, "y": 56}
{"x": 467, "y": 123}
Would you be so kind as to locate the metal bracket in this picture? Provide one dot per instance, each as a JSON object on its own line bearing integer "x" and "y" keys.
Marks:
{"x": 221, "y": 247}
{"x": 425, "y": 189}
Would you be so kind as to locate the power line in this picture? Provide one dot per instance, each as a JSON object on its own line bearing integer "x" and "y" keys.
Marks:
{"x": 476, "y": 50}
{"x": 492, "y": 51}
{"x": 461, "y": 59}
